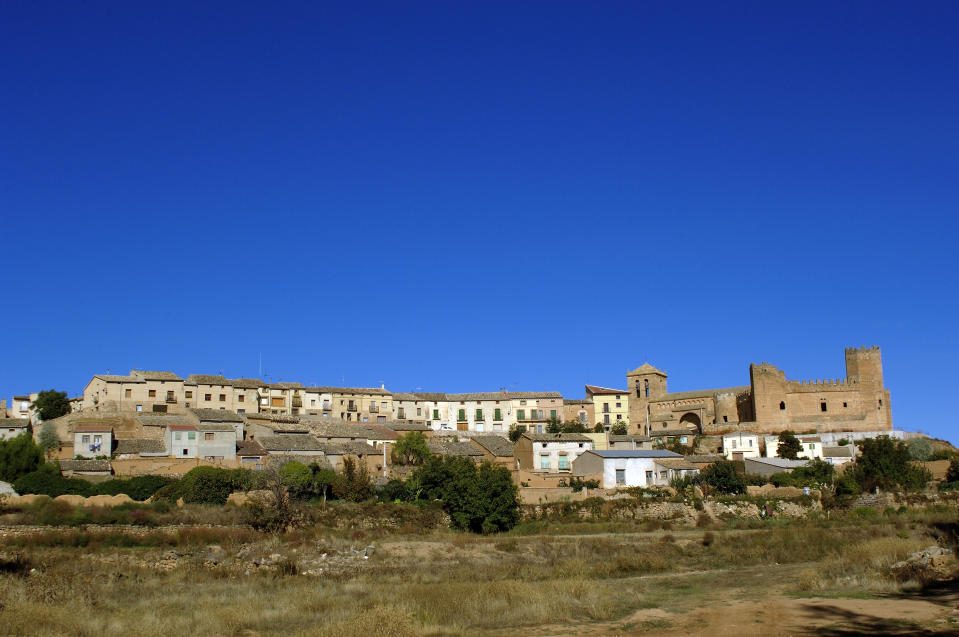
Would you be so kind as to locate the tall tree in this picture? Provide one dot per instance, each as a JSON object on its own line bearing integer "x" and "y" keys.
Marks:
{"x": 48, "y": 439}
{"x": 410, "y": 449}
{"x": 51, "y": 404}
{"x": 19, "y": 456}
{"x": 789, "y": 445}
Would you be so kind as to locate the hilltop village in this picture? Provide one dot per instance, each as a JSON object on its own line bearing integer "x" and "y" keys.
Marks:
{"x": 156, "y": 422}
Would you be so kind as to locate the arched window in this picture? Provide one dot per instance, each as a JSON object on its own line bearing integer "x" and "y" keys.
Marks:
{"x": 782, "y": 405}
{"x": 646, "y": 383}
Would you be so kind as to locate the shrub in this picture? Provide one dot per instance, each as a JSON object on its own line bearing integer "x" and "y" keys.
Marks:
{"x": 138, "y": 488}
{"x": 782, "y": 479}
{"x": 846, "y": 485}
{"x": 619, "y": 429}
{"x": 355, "y": 483}
{"x": 723, "y": 477}
{"x": 411, "y": 449}
{"x": 884, "y": 462}
{"x": 394, "y": 491}
{"x": 942, "y": 454}
{"x": 210, "y": 485}
{"x": 789, "y": 445}
{"x": 816, "y": 473}
{"x": 48, "y": 481}
{"x": 18, "y": 457}
{"x": 919, "y": 448}
{"x": 952, "y": 473}
{"x": 577, "y": 484}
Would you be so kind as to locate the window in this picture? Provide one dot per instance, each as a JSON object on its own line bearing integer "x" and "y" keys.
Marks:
{"x": 522, "y": 402}
{"x": 128, "y": 393}
{"x": 177, "y": 435}
{"x": 617, "y": 398}
{"x": 222, "y": 398}
{"x": 646, "y": 383}
{"x": 782, "y": 405}
{"x": 544, "y": 445}
{"x": 266, "y": 401}
{"x": 479, "y": 414}
{"x": 186, "y": 452}
{"x": 845, "y": 404}
{"x": 619, "y": 416}
{"x": 521, "y": 414}
{"x": 497, "y": 414}
{"x": 188, "y": 394}
{"x": 649, "y": 477}
{"x": 605, "y": 407}
{"x": 750, "y": 442}
{"x": 544, "y": 462}
{"x": 619, "y": 405}
{"x": 152, "y": 393}
{"x": 563, "y": 462}
{"x": 461, "y": 414}
{"x": 684, "y": 439}
{"x": 725, "y": 418}
{"x": 621, "y": 476}
{"x": 552, "y": 413}
{"x": 207, "y": 396}
{"x": 732, "y": 444}
{"x": 436, "y": 414}
{"x": 139, "y": 407}
{"x": 241, "y": 398}
{"x": 239, "y": 411}
{"x": 191, "y": 435}
{"x": 812, "y": 446}
{"x": 419, "y": 411}
{"x": 606, "y": 419}
{"x": 822, "y": 406}
{"x": 85, "y": 439}
{"x": 208, "y": 435}
{"x": 880, "y": 403}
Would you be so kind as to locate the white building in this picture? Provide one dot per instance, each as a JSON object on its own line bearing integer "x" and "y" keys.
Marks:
{"x": 633, "y": 468}
{"x": 811, "y": 447}
{"x": 92, "y": 441}
{"x": 740, "y": 445}
{"x": 12, "y": 427}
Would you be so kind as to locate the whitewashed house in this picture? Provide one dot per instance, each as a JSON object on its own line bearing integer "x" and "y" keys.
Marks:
{"x": 632, "y": 468}
{"x": 740, "y": 445}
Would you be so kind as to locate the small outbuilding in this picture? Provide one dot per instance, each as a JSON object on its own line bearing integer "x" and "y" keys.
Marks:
{"x": 632, "y": 467}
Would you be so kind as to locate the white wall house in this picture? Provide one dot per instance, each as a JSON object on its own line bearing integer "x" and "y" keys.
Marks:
{"x": 811, "y": 447}
{"x": 181, "y": 440}
{"x": 633, "y": 468}
{"x": 12, "y": 427}
{"x": 91, "y": 441}
{"x": 740, "y": 445}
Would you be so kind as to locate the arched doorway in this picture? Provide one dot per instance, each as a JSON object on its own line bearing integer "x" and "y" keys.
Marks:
{"x": 691, "y": 421}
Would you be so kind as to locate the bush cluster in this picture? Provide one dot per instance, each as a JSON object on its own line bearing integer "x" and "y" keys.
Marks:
{"x": 48, "y": 481}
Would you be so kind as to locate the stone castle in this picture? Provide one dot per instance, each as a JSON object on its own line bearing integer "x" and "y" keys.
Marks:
{"x": 770, "y": 403}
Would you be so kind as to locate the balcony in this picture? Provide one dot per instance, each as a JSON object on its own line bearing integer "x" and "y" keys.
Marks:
{"x": 297, "y": 401}
{"x": 374, "y": 408}
{"x": 352, "y": 407}
{"x": 401, "y": 414}
{"x": 171, "y": 400}
{"x": 327, "y": 406}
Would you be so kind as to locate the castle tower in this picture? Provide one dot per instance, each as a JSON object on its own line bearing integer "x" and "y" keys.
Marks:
{"x": 769, "y": 390}
{"x": 864, "y": 364}
{"x": 644, "y": 383}
{"x": 864, "y": 367}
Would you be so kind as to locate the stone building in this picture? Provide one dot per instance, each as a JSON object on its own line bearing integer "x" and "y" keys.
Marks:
{"x": 769, "y": 403}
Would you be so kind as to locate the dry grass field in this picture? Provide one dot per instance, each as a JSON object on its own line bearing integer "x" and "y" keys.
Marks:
{"x": 826, "y": 576}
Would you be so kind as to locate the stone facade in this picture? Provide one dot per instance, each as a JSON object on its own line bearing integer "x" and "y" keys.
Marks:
{"x": 769, "y": 404}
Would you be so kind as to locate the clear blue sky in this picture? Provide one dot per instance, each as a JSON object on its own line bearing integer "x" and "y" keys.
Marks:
{"x": 466, "y": 197}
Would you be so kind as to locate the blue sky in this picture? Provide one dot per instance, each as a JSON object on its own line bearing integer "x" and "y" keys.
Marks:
{"x": 461, "y": 197}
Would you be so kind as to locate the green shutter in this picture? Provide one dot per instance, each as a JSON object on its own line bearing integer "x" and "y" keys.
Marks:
{"x": 521, "y": 414}
{"x": 497, "y": 414}
{"x": 552, "y": 413}
{"x": 462, "y": 414}
{"x": 479, "y": 414}
{"x": 436, "y": 414}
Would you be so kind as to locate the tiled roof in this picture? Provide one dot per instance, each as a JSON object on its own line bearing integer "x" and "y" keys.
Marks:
{"x": 280, "y": 459}
{"x": 445, "y": 447}
{"x": 577, "y": 401}
{"x": 139, "y": 445}
{"x": 286, "y": 386}
{"x": 379, "y": 432}
{"x": 181, "y": 427}
{"x": 162, "y": 420}
{"x": 85, "y": 465}
{"x": 434, "y": 396}
{"x": 595, "y": 389}
{"x": 498, "y": 395}
{"x": 645, "y": 368}
{"x": 705, "y": 457}
{"x": 699, "y": 393}
{"x": 114, "y": 378}
{"x": 291, "y": 442}
{"x": 844, "y": 451}
{"x": 250, "y": 448}
{"x": 635, "y": 453}
{"x": 93, "y": 428}
{"x": 677, "y": 464}
{"x": 248, "y": 383}
{"x": 377, "y": 391}
{"x": 629, "y": 438}
{"x": 340, "y": 429}
{"x": 497, "y": 445}
{"x": 740, "y": 433}
{"x": 669, "y": 433}
{"x": 809, "y": 438}
{"x": 405, "y": 426}
{"x": 154, "y": 375}
{"x": 782, "y": 463}
{"x": 208, "y": 379}
{"x": 350, "y": 448}
{"x": 14, "y": 423}
{"x": 217, "y": 415}
{"x": 535, "y": 437}
{"x": 215, "y": 426}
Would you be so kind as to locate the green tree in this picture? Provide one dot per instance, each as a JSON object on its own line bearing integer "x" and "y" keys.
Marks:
{"x": 210, "y": 485}
{"x": 723, "y": 477}
{"x": 599, "y": 428}
{"x": 480, "y": 499}
{"x": 846, "y": 485}
{"x": 411, "y": 449}
{"x": 574, "y": 427}
{"x": 354, "y": 483}
{"x": 952, "y": 473}
{"x": 48, "y": 439}
{"x": 554, "y": 426}
{"x": 18, "y": 457}
{"x": 919, "y": 448}
{"x": 46, "y": 480}
{"x": 51, "y": 404}
{"x": 886, "y": 463}
{"x": 619, "y": 429}
{"x": 298, "y": 480}
{"x": 816, "y": 472}
{"x": 789, "y": 445}
{"x": 515, "y": 433}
